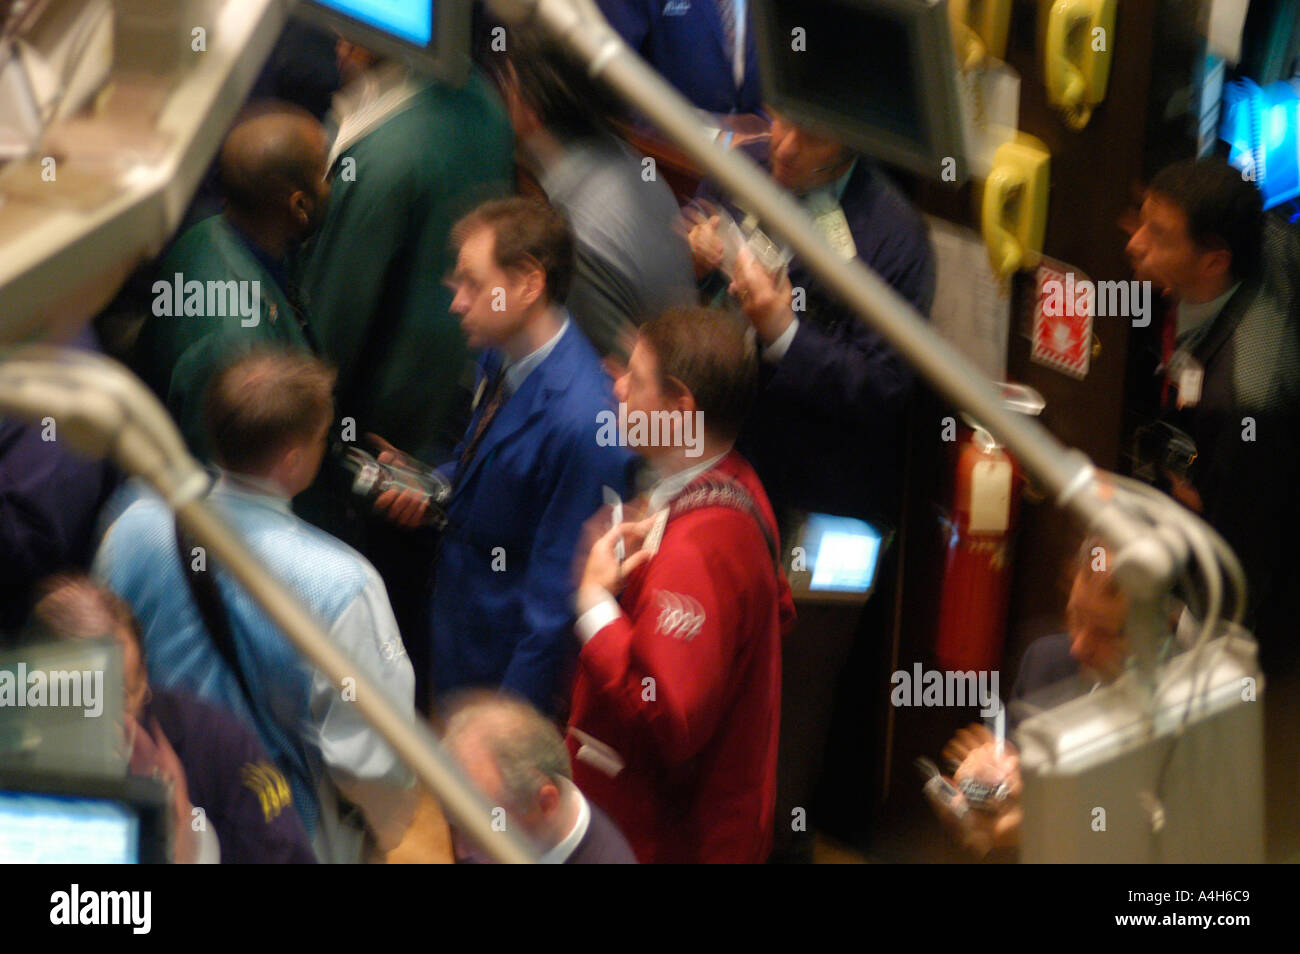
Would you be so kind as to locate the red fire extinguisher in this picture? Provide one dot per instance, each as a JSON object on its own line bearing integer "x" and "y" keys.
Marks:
{"x": 977, "y": 569}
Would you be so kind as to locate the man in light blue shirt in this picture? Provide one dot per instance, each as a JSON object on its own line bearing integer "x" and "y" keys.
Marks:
{"x": 267, "y": 417}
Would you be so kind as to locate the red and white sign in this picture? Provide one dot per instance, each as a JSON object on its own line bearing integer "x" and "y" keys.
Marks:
{"x": 1063, "y": 312}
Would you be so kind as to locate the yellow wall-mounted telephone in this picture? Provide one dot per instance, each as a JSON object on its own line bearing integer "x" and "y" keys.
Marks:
{"x": 1014, "y": 215}
{"x": 979, "y": 30}
{"x": 1080, "y": 37}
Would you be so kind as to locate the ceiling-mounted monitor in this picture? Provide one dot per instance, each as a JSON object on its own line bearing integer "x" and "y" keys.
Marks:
{"x": 432, "y": 35}
{"x": 881, "y": 75}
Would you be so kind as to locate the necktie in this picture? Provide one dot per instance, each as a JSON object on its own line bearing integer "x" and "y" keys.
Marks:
{"x": 493, "y": 397}
{"x": 727, "y": 12}
{"x": 1168, "y": 336}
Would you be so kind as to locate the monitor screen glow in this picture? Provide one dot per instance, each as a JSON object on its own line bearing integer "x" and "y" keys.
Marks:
{"x": 842, "y": 553}
{"x": 52, "y": 829}
{"x": 407, "y": 20}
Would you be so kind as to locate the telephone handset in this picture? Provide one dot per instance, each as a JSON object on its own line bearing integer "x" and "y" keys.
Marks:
{"x": 979, "y": 30}
{"x": 1080, "y": 37}
{"x": 1014, "y": 215}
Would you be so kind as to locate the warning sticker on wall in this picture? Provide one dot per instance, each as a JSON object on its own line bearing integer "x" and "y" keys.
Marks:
{"x": 1063, "y": 312}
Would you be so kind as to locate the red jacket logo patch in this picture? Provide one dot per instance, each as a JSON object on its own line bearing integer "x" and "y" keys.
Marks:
{"x": 680, "y": 617}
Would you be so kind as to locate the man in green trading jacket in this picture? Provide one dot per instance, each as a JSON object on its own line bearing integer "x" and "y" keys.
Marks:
{"x": 411, "y": 156}
{"x": 225, "y": 284}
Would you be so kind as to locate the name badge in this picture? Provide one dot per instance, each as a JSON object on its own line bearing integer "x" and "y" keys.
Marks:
{"x": 835, "y": 227}
{"x": 1186, "y": 375}
{"x": 1189, "y": 386}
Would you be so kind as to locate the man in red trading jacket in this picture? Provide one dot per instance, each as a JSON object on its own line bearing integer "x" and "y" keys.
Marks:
{"x": 677, "y": 700}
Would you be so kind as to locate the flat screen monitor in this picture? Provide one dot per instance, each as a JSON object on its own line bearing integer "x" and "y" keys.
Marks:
{"x": 880, "y": 75}
{"x": 50, "y": 829}
{"x": 432, "y": 35}
{"x": 49, "y": 818}
{"x": 61, "y": 707}
{"x": 835, "y": 559}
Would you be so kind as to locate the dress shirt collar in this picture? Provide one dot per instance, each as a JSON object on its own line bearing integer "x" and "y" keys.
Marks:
{"x": 561, "y": 852}
{"x": 368, "y": 101}
{"x": 1192, "y": 316}
{"x": 831, "y": 192}
{"x": 518, "y": 372}
{"x": 666, "y": 490}
{"x": 254, "y": 489}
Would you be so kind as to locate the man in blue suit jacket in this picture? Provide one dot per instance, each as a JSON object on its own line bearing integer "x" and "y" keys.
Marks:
{"x": 529, "y": 471}
{"x": 713, "y": 63}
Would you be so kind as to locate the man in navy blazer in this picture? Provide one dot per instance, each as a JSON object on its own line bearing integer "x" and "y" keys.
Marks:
{"x": 714, "y": 66}
{"x": 827, "y": 432}
{"x": 529, "y": 471}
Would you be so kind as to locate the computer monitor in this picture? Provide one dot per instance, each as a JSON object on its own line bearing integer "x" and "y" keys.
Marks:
{"x": 834, "y": 559}
{"x": 48, "y": 818}
{"x": 432, "y": 35}
{"x": 61, "y": 708}
{"x": 881, "y": 75}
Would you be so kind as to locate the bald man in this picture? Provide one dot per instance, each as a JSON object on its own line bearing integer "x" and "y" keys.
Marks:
{"x": 224, "y": 286}
{"x": 518, "y": 760}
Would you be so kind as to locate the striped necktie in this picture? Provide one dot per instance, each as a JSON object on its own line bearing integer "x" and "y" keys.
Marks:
{"x": 727, "y": 11}
{"x": 493, "y": 397}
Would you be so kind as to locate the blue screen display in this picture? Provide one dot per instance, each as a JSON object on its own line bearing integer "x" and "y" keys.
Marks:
{"x": 409, "y": 20}
{"x": 843, "y": 553}
{"x": 1260, "y": 124}
{"x": 53, "y": 829}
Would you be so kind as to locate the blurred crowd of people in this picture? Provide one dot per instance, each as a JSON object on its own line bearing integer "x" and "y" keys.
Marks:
{"x": 460, "y": 282}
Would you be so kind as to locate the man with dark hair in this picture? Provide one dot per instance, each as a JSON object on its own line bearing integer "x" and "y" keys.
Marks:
{"x": 225, "y": 284}
{"x": 1230, "y": 383}
{"x": 530, "y": 468}
{"x": 677, "y": 703}
{"x": 268, "y": 414}
{"x": 224, "y": 770}
{"x": 630, "y": 260}
{"x": 1224, "y": 214}
{"x": 517, "y": 759}
{"x": 1231, "y": 376}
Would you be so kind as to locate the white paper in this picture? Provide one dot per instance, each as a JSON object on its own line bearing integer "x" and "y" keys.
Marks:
{"x": 972, "y": 306}
{"x": 1227, "y": 19}
{"x": 993, "y": 107}
{"x": 990, "y": 505}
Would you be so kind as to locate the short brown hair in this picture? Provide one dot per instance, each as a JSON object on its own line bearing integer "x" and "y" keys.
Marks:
{"x": 713, "y": 354}
{"x": 263, "y": 401}
{"x": 528, "y": 232}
